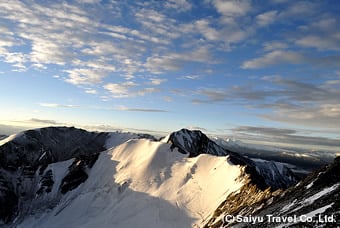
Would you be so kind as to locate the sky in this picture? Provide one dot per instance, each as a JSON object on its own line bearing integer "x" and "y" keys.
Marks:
{"x": 244, "y": 68}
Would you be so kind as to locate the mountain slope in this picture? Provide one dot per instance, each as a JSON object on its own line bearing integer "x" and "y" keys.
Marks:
{"x": 313, "y": 202}
{"x": 263, "y": 174}
{"x": 66, "y": 177}
{"x": 143, "y": 183}
{"x": 28, "y": 166}
{"x": 316, "y": 198}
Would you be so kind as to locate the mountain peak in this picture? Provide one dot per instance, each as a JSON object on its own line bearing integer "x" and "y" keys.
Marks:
{"x": 194, "y": 143}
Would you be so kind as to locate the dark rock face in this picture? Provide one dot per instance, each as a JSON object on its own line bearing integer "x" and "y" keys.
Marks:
{"x": 46, "y": 183}
{"x": 316, "y": 196}
{"x": 271, "y": 170}
{"x": 49, "y": 145}
{"x": 240, "y": 203}
{"x": 77, "y": 172}
{"x": 24, "y": 159}
{"x": 194, "y": 143}
{"x": 8, "y": 201}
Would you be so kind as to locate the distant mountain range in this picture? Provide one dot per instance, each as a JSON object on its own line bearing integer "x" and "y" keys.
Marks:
{"x": 303, "y": 159}
{"x": 68, "y": 177}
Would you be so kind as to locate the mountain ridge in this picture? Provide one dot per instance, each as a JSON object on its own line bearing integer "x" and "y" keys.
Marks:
{"x": 313, "y": 202}
{"x": 55, "y": 177}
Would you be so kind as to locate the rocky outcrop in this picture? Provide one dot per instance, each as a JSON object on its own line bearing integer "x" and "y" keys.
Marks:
{"x": 48, "y": 145}
{"x": 315, "y": 198}
{"x": 23, "y": 161}
{"x": 78, "y": 172}
{"x": 240, "y": 203}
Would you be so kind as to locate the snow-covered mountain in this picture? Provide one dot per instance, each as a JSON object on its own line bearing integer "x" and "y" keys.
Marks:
{"x": 69, "y": 177}
{"x": 313, "y": 202}
{"x": 263, "y": 173}
{"x": 25, "y": 159}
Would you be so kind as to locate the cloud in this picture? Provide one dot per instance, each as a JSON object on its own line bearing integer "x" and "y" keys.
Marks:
{"x": 128, "y": 89}
{"x": 323, "y": 116}
{"x": 89, "y": 1}
{"x": 144, "y": 91}
{"x": 179, "y": 5}
{"x": 176, "y": 61}
{"x": 120, "y": 90}
{"x": 212, "y": 95}
{"x": 274, "y": 45}
{"x": 190, "y": 77}
{"x": 197, "y": 128}
{"x": 280, "y": 57}
{"x": 232, "y": 7}
{"x": 223, "y": 35}
{"x": 119, "y": 50}
{"x": 159, "y": 28}
{"x": 48, "y": 122}
{"x": 157, "y": 81}
{"x": 322, "y": 35}
{"x": 283, "y": 135}
{"x": 124, "y": 108}
{"x": 53, "y": 105}
{"x": 6, "y": 129}
{"x": 264, "y": 130}
{"x": 90, "y": 91}
{"x": 266, "y": 18}
{"x": 207, "y": 31}
{"x": 167, "y": 98}
{"x": 274, "y": 58}
{"x": 85, "y": 76}
{"x": 17, "y": 59}
{"x": 300, "y": 10}
{"x": 47, "y": 34}
{"x": 283, "y": 100}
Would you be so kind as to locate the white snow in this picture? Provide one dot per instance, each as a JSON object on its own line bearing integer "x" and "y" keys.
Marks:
{"x": 323, "y": 192}
{"x": 288, "y": 206}
{"x": 311, "y": 199}
{"x": 117, "y": 138}
{"x": 141, "y": 183}
{"x": 10, "y": 138}
{"x": 319, "y": 210}
{"x": 59, "y": 171}
{"x": 310, "y": 185}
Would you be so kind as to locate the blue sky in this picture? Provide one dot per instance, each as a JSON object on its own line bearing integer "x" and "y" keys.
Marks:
{"x": 266, "y": 69}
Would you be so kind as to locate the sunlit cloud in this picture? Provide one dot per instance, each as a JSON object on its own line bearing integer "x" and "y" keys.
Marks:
{"x": 284, "y": 135}
{"x": 120, "y": 90}
{"x": 124, "y": 108}
{"x": 181, "y": 53}
{"x": 190, "y": 77}
{"x": 52, "y": 105}
{"x": 232, "y": 7}
{"x": 47, "y": 122}
{"x": 90, "y": 91}
{"x": 266, "y": 18}
{"x": 157, "y": 81}
{"x": 180, "y": 5}
{"x": 274, "y": 58}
